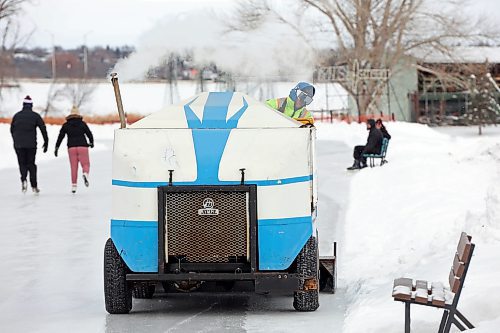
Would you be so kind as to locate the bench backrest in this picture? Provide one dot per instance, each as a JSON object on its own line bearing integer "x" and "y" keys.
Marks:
{"x": 461, "y": 262}
{"x": 385, "y": 144}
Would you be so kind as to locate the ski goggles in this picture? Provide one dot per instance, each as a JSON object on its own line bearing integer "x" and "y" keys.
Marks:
{"x": 304, "y": 97}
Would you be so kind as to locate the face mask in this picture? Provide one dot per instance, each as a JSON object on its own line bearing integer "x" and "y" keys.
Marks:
{"x": 305, "y": 98}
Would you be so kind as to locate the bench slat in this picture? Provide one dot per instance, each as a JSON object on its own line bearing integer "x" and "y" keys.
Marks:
{"x": 438, "y": 297}
{"x": 422, "y": 292}
{"x": 402, "y": 289}
{"x": 454, "y": 282}
{"x": 464, "y": 246}
{"x": 458, "y": 267}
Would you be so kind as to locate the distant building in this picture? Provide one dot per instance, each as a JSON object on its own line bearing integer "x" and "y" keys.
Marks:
{"x": 444, "y": 81}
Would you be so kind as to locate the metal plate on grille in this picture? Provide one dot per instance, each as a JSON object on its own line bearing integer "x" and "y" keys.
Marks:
{"x": 207, "y": 226}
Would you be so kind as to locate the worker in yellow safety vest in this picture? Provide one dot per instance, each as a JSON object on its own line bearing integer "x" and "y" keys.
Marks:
{"x": 294, "y": 105}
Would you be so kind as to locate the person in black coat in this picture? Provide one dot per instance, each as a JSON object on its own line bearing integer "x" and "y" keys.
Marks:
{"x": 373, "y": 146}
{"x": 382, "y": 129}
{"x": 23, "y": 130}
{"x": 77, "y": 131}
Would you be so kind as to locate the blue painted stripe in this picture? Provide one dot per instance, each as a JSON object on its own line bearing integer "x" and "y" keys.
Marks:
{"x": 209, "y": 145}
{"x": 271, "y": 182}
{"x": 288, "y": 220}
{"x": 134, "y": 224}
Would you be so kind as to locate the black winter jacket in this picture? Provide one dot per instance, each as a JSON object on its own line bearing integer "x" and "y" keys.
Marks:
{"x": 23, "y": 128}
{"x": 374, "y": 143}
{"x": 76, "y": 129}
{"x": 385, "y": 133}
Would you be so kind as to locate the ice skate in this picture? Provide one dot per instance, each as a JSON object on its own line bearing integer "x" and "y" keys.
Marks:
{"x": 86, "y": 179}
{"x": 24, "y": 186}
{"x": 73, "y": 188}
{"x": 35, "y": 190}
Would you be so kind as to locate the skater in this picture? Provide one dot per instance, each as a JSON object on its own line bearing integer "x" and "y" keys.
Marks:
{"x": 382, "y": 129}
{"x": 294, "y": 105}
{"x": 23, "y": 130}
{"x": 78, "y": 148}
{"x": 373, "y": 146}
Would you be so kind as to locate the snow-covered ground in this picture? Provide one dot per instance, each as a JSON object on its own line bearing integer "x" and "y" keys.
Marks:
{"x": 402, "y": 219}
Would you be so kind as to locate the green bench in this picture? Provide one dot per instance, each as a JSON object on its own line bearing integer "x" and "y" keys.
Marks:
{"x": 383, "y": 153}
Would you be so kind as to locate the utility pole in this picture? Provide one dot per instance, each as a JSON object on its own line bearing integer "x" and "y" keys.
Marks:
{"x": 85, "y": 55}
{"x": 53, "y": 56}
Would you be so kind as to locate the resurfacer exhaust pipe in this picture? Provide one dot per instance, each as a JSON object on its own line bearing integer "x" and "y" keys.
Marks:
{"x": 118, "y": 96}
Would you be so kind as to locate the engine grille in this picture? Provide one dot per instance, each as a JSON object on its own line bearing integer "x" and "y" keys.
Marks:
{"x": 206, "y": 238}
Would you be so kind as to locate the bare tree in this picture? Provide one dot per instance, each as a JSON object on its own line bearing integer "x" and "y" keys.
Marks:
{"x": 368, "y": 34}
{"x": 10, "y": 38}
{"x": 55, "y": 92}
{"x": 79, "y": 92}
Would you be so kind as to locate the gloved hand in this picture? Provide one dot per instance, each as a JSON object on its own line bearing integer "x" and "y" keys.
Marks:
{"x": 45, "y": 147}
{"x": 91, "y": 145}
{"x": 55, "y": 151}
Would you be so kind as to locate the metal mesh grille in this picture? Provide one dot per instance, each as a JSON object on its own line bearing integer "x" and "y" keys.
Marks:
{"x": 203, "y": 239}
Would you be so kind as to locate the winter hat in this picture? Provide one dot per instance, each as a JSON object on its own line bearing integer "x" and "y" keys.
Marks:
{"x": 371, "y": 122}
{"x": 27, "y": 100}
{"x": 75, "y": 111}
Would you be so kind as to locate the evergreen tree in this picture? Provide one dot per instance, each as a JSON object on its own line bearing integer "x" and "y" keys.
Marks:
{"x": 483, "y": 107}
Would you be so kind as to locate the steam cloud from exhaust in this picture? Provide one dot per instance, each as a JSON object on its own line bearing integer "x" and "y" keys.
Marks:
{"x": 272, "y": 51}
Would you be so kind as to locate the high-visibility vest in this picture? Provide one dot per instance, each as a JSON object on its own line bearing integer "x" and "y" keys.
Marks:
{"x": 286, "y": 106}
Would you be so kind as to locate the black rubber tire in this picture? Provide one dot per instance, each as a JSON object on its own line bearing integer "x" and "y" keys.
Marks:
{"x": 307, "y": 268}
{"x": 143, "y": 290}
{"x": 117, "y": 291}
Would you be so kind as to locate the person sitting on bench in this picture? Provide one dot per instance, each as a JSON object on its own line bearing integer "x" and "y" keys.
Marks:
{"x": 373, "y": 146}
{"x": 382, "y": 129}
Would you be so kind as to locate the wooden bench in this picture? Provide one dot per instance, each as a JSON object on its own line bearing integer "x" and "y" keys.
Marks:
{"x": 383, "y": 153}
{"x": 435, "y": 294}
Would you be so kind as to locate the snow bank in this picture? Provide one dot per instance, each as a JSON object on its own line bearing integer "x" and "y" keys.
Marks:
{"x": 9, "y": 159}
{"x": 404, "y": 219}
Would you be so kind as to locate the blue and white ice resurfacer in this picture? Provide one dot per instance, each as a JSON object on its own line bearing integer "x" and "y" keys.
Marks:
{"x": 217, "y": 188}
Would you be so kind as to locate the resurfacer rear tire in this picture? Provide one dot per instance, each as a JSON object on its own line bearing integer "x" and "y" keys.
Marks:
{"x": 117, "y": 291}
{"x": 306, "y": 298}
{"x": 143, "y": 290}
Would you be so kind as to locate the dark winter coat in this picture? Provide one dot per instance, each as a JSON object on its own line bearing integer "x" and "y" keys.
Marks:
{"x": 76, "y": 129}
{"x": 385, "y": 133}
{"x": 374, "y": 142}
{"x": 23, "y": 128}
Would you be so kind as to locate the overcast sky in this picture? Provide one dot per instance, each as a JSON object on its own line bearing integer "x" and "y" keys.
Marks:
{"x": 102, "y": 22}
{"x": 119, "y": 22}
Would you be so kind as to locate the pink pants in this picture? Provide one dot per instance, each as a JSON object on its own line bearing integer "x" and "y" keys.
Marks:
{"x": 78, "y": 154}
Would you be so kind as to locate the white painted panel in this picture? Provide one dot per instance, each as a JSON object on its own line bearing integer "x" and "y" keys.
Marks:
{"x": 292, "y": 200}
{"x": 267, "y": 154}
{"x": 148, "y": 154}
{"x": 135, "y": 204}
{"x": 173, "y": 117}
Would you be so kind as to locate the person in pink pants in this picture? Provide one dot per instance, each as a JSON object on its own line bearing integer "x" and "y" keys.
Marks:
{"x": 78, "y": 148}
